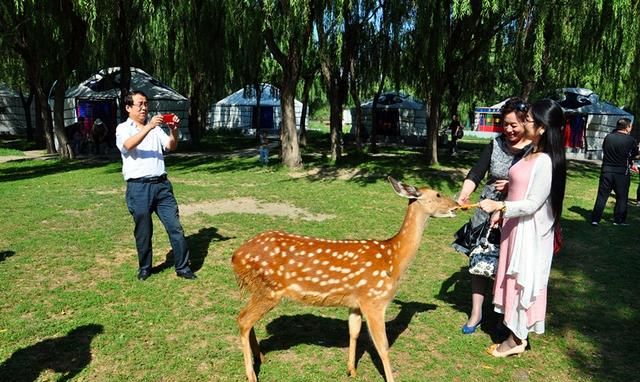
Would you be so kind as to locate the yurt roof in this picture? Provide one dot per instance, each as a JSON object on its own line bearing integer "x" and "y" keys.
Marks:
{"x": 493, "y": 109}
{"x": 106, "y": 84}
{"x": 5, "y": 91}
{"x": 270, "y": 96}
{"x": 585, "y": 101}
{"x": 395, "y": 101}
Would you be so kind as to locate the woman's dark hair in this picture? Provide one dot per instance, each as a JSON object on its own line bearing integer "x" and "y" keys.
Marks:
{"x": 515, "y": 105}
{"x": 548, "y": 114}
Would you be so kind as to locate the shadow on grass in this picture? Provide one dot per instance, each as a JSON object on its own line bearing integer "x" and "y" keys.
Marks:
{"x": 456, "y": 291}
{"x": 66, "y": 355}
{"x": 597, "y": 297}
{"x": 290, "y": 331}
{"x": 6, "y": 254}
{"x": 198, "y": 249}
{"x": 35, "y": 168}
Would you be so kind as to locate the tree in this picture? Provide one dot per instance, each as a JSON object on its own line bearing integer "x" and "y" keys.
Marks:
{"x": 286, "y": 30}
{"x": 332, "y": 51}
{"x": 448, "y": 36}
{"x": 48, "y": 36}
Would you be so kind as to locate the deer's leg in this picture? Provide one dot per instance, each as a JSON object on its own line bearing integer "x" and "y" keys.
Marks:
{"x": 257, "y": 307}
{"x": 355, "y": 324}
{"x": 375, "y": 321}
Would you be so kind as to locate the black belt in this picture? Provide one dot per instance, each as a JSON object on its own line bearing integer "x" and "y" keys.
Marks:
{"x": 149, "y": 179}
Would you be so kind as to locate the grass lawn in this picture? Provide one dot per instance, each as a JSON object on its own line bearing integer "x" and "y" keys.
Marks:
{"x": 72, "y": 309}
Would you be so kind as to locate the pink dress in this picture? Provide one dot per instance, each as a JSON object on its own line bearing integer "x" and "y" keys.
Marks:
{"x": 520, "y": 289}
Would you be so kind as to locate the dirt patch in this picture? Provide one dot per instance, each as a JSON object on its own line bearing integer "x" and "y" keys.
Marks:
{"x": 318, "y": 173}
{"x": 251, "y": 206}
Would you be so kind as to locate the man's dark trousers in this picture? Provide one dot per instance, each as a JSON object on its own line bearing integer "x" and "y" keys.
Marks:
{"x": 145, "y": 198}
{"x": 618, "y": 181}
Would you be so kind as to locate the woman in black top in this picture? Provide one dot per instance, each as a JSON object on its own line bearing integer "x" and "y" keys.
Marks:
{"x": 495, "y": 160}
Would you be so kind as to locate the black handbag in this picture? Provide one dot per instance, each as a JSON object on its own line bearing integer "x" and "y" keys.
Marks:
{"x": 468, "y": 237}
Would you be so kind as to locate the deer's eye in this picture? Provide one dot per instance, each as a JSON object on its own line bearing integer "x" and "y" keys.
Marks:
{"x": 438, "y": 195}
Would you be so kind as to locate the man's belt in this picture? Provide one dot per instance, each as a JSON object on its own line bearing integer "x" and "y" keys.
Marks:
{"x": 149, "y": 179}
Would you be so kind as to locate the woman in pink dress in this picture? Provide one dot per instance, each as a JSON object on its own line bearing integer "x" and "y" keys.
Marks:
{"x": 530, "y": 213}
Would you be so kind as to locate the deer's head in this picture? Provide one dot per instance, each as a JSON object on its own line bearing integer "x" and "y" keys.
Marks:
{"x": 432, "y": 202}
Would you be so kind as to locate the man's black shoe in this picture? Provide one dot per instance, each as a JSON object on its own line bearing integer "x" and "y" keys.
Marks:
{"x": 143, "y": 275}
{"x": 187, "y": 275}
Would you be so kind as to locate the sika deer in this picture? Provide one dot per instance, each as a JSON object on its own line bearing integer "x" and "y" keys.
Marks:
{"x": 359, "y": 274}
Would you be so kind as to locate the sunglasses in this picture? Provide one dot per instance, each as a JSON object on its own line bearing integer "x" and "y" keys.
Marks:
{"x": 522, "y": 107}
{"x": 519, "y": 106}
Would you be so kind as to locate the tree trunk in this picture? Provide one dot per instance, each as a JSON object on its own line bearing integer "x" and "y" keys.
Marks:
{"x": 124, "y": 56}
{"x": 26, "y": 105}
{"x": 257, "y": 117}
{"x": 195, "y": 115}
{"x": 432, "y": 129}
{"x": 44, "y": 115}
{"x": 289, "y": 148}
{"x": 308, "y": 81}
{"x": 64, "y": 148}
{"x": 374, "y": 114}
{"x": 356, "y": 122}
{"x": 335, "y": 121}
{"x": 527, "y": 88}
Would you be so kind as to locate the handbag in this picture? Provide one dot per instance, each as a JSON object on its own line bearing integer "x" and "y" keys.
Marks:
{"x": 558, "y": 239}
{"x": 483, "y": 259}
{"x": 459, "y": 133}
{"x": 468, "y": 237}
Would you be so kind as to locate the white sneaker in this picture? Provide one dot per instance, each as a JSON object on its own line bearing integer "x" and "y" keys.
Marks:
{"x": 595, "y": 224}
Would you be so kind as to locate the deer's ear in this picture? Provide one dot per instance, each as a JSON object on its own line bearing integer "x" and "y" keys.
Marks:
{"x": 404, "y": 190}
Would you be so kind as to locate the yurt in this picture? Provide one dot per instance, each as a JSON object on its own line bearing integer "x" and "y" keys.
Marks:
{"x": 12, "y": 112}
{"x": 240, "y": 110}
{"x": 98, "y": 97}
{"x": 588, "y": 120}
{"x": 397, "y": 115}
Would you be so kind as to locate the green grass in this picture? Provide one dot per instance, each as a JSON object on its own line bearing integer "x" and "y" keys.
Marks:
{"x": 71, "y": 306}
{"x": 10, "y": 152}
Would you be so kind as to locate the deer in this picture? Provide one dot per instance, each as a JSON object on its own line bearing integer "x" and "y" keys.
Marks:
{"x": 361, "y": 275}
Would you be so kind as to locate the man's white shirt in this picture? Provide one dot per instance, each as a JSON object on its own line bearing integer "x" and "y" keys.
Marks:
{"x": 147, "y": 158}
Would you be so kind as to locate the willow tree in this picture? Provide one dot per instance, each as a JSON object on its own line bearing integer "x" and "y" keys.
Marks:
{"x": 286, "y": 27}
{"x": 448, "y": 35}
{"x": 118, "y": 36}
{"x": 332, "y": 52}
{"x": 190, "y": 40}
{"x": 49, "y": 37}
{"x": 250, "y": 64}
{"x": 339, "y": 26}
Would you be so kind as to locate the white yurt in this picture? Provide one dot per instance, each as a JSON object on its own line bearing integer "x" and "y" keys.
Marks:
{"x": 12, "y": 113}
{"x": 588, "y": 120}
{"x": 98, "y": 97}
{"x": 398, "y": 115}
{"x": 240, "y": 110}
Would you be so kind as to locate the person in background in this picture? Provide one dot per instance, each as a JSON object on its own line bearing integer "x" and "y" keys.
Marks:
{"x": 141, "y": 142}
{"x": 530, "y": 214}
{"x": 496, "y": 159}
{"x": 98, "y": 134}
{"x": 456, "y": 128}
{"x": 264, "y": 148}
{"x": 618, "y": 151}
